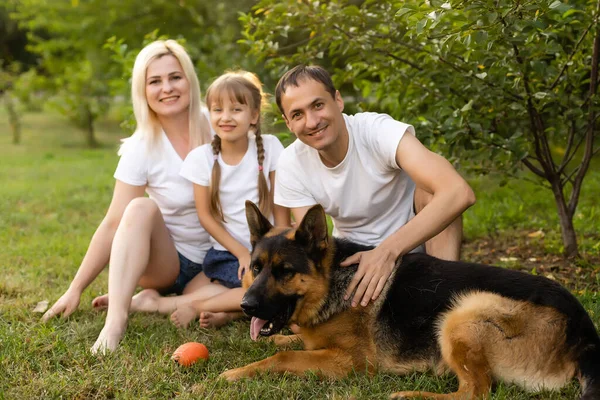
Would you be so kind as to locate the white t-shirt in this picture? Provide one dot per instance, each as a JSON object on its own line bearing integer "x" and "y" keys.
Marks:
{"x": 159, "y": 171}
{"x": 238, "y": 182}
{"x": 367, "y": 195}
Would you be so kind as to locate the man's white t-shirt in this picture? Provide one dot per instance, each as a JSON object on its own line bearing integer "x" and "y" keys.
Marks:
{"x": 238, "y": 182}
{"x": 367, "y": 195}
{"x": 158, "y": 170}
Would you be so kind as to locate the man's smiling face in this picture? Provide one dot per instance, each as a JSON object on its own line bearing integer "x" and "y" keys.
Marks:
{"x": 313, "y": 115}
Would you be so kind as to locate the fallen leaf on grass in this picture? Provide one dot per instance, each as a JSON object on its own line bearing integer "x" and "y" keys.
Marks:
{"x": 41, "y": 306}
{"x": 535, "y": 234}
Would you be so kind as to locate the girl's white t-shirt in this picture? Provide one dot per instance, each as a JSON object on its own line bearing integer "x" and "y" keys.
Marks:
{"x": 238, "y": 182}
{"x": 159, "y": 170}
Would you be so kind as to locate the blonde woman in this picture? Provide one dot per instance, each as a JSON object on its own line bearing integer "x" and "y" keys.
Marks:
{"x": 157, "y": 241}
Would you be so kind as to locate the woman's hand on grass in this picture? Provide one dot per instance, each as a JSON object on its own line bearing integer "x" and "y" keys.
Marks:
{"x": 65, "y": 306}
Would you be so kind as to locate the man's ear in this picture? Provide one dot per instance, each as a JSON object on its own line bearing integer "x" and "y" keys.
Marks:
{"x": 312, "y": 231}
{"x": 257, "y": 223}
{"x": 287, "y": 121}
{"x": 339, "y": 100}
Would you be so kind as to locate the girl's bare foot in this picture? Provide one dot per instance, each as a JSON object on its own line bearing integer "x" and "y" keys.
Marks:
{"x": 109, "y": 337}
{"x": 182, "y": 317}
{"x": 215, "y": 320}
{"x": 100, "y": 302}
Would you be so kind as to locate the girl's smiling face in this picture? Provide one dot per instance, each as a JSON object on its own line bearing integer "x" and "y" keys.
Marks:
{"x": 231, "y": 119}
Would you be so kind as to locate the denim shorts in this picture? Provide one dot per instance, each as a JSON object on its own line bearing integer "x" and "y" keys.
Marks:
{"x": 222, "y": 266}
{"x": 187, "y": 271}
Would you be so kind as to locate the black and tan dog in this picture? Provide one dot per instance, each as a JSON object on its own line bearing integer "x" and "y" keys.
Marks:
{"x": 483, "y": 323}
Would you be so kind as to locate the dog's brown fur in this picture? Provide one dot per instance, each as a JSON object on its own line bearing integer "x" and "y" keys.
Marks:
{"x": 483, "y": 323}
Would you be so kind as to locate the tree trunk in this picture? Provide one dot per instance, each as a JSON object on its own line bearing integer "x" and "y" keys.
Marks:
{"x": 13, "y": 119}
{"x": 567, "y": 229}
{"x": 90, "y": 133}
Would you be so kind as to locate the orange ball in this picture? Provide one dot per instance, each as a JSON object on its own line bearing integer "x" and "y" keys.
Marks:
{"x": 188, "y": 353}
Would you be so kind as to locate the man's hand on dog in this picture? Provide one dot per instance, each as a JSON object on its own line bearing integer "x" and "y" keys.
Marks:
{"x": 374, "y": 269}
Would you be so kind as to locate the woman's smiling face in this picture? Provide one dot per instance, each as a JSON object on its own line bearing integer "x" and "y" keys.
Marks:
{"x": 167, "y": 88}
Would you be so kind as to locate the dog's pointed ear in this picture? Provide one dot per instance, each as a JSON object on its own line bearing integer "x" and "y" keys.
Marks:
{"x": 257, "y": 223}
{"x": 312, "y": 231}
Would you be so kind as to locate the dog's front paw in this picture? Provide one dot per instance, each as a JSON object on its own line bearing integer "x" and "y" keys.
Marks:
{"x": 284, "y": 340}
{"x": 232, "y": 375}
{"x": 406, "y": 395}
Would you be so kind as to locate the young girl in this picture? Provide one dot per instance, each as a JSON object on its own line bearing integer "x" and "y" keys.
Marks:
{"x": 238, "y": 165}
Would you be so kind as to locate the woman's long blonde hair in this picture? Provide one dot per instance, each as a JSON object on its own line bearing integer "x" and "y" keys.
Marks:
{"x": 146, "y": 119}
{"x": 245, "y": 88}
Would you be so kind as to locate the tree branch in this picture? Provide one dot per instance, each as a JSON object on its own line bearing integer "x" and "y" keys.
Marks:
{"x": 568, "y": 178}
{"x": 533, "y": 168}
{"x": 403, "y": 60}
{"x": 567, "y": 156}
{"x": 566, "y": 64}
{"x": 566, "y": 161}
{"x": 589, "y": 136}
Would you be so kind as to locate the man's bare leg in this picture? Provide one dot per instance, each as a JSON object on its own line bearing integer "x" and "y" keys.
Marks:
{"x": 447, "y": 244}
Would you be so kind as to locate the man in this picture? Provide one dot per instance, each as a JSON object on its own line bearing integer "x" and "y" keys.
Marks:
{"x": 370, "y": 174}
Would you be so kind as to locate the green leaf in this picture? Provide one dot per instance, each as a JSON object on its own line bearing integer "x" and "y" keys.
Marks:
{"x": 555, "y": 4}
{"x": 467, "y": 107}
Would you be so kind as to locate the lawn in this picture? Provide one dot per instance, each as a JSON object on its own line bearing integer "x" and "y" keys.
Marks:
{"x": 53, "y": 194}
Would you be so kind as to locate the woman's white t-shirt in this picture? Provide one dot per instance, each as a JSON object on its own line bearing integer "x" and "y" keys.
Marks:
{"x": 159, "y": 170}
{"x": 238, "y": 182}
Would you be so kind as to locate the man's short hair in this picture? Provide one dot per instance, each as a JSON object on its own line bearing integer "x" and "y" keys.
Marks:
{"x": 298, "y": 73}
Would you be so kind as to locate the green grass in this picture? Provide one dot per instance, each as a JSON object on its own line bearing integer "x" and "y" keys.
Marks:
{"x": 53, "y": 194}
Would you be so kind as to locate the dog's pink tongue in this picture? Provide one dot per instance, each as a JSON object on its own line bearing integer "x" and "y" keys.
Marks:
{"x": 255, "y": 326}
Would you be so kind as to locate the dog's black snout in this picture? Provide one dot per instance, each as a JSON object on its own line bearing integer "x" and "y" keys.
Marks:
{"x": 249, "y": 305}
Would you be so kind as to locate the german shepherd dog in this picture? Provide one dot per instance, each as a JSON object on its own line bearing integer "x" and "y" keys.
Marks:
{"x": 481, "y": 322}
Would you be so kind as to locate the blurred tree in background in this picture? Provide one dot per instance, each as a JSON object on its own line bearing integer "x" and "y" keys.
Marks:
{"x": 81, "y": 78}
{"x": 492, "y": 83}
{"x": 13, "y": 56}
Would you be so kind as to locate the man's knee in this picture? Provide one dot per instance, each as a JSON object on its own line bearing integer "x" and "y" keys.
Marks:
{"x": 422, "y": 198}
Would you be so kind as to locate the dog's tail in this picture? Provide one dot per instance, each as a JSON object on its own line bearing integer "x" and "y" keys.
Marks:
{"x": 589, "y": 372}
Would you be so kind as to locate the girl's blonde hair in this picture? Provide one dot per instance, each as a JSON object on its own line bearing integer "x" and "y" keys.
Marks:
{"x": 146, "y": 119}
{"x": 245, "y": 88}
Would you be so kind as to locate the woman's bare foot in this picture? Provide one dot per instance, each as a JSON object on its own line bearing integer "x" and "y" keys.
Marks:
{"x": 182, "y": 317}
{"x": 109, "y": 337}
{"x": 215, "y": 320}
{"x": 145, "y": 301}
{"x": 100, "y": 302}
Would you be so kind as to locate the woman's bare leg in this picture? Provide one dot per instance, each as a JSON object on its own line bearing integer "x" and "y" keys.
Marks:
{"x": 150, "y": 300}
{"x": 142, "y": 253}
